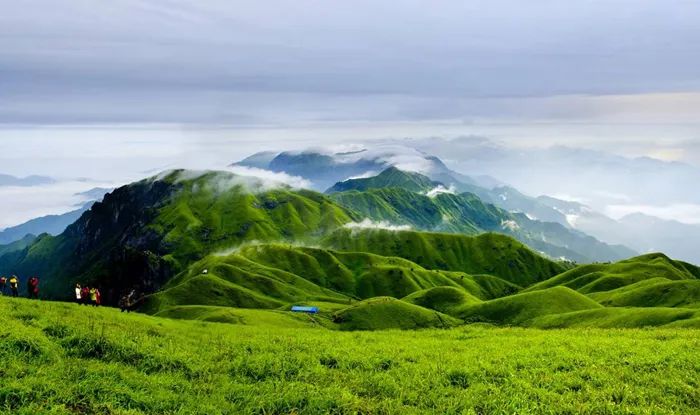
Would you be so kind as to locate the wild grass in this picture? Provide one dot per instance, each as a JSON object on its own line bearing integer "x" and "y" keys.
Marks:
{"x": 64, "y": 359}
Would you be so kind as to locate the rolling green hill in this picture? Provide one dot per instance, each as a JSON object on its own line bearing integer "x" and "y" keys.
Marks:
{"x": 629, "y": 280}
{"x": 268, "y": 276}
{"x": 381, "y": 313}
{"x": 443, "y": 299}
{"x": 655, "y": 292}
{"x": 519, "y": 308}
{"x": 619, "y": 318}
{"x": 493, "y": 254}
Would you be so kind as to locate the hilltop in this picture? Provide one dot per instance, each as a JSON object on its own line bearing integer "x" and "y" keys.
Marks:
{"x": 144, "y": 233}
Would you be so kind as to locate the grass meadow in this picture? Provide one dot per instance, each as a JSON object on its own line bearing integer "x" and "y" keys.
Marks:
{"x": 59, "y": 358}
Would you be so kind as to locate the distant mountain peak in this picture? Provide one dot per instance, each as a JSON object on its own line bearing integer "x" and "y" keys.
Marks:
{"x": 389, "y": 177}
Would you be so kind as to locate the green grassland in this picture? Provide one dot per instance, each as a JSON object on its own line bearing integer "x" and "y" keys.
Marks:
{"x": 66, "y": 359}
{"x": 488, "y": 253}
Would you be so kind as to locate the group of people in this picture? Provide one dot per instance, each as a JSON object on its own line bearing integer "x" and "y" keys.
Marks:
{"x": 11, "y": 286}
{"x": 87, "y": 295}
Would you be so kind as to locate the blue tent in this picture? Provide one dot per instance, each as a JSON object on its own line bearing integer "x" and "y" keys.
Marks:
{"x": 304, "y": 309}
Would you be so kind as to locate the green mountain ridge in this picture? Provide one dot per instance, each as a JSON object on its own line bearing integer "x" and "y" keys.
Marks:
{"x": 403, "y": 198}
{"x": 142, "y": 234}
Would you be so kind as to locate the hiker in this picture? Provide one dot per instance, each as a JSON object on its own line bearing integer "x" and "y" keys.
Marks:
{"x": 93, "y": 296}
{"x": 14, "y": 285}
{"x": 3, "y": 285}
{"x": 33, "y": 288}
{"x": 126, "y": 302}
{"x": 77, "y": 294}
{"x": 85, "y": 295}
{"x": 98, "y": 297}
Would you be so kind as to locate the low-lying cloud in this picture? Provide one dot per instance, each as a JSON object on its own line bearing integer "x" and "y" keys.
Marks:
{"x": 271, "y": 179}
{"x": 384, "y": 225}
{"x": 440, "y": 189}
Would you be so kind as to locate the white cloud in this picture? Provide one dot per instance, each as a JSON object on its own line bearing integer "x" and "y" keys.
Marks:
{"x": 439, "y": 189}
{"x": 370, "y": 224}
{"x": 510, "y": 225}
{"x": 271, "y": 179}
{"x": 20, "y": 204}
{"x": 367, "y": 174}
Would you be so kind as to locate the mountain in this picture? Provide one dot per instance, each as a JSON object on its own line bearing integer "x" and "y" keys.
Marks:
{"x": 50, "y": 224}
{"x": 7, "y": 180}
{"x": 328, "y": 170}
{"x": 17, "y": 246}
{"x": 644, "y": 233}
{"x": 220, "y": 247}
{"x": 406, "y": 198}
{"x": 142, "y": 234}
{"x": 325, "y": 169}
{"x": 391, "y": 177}
{"x": 647, "y": 233}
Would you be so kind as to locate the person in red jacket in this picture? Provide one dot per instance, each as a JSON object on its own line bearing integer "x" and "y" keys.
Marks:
{"x": 85, "y": 295}
{"x": 33, "y": 287}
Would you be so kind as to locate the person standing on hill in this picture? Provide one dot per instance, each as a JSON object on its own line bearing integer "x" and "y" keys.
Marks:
{"x": 85, "y": 295}
{"x": 98, "y": 297}
{"x": 33, "y": 288}
{"x": 3, "y": 285}
{"x": 14, "y": 285}
{"x": 93, "y": 296}
{"x": 77, "y": 294}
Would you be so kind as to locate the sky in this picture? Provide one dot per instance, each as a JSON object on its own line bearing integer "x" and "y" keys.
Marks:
{"x": 115, "y": 90}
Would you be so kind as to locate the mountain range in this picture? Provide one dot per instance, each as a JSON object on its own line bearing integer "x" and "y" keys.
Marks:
{"x": 367, "y": 253}
{"x": 51, "y": 224}
{"x": 325, "y": 168}
{"x": 8, "y": 180}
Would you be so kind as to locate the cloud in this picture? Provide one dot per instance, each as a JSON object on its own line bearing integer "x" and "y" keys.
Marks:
{"x": 271, "y": 179}
{"x": 370, "y": 224}
{"x": 218, "y": 61}
{"x": 440, "y": 189}
{"x": 510, "y": 225}
{"x": 20, "y": 204}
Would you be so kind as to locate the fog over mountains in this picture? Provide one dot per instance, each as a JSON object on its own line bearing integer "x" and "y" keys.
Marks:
{"x": 618, "y": 200}
{"x": 605, "y": 182}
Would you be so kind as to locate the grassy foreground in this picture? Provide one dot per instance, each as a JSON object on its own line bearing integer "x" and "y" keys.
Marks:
{"x": 63, "y": 359}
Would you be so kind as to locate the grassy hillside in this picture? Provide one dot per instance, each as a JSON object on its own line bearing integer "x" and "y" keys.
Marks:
{"x": 520, "y": 308}
{"x": 646, "y": 281}
{"x": 144, "y": 233}
{"x": 493, "y": 254}
{"x": 443, "y": 299}
{"x": 620, "y": 318}
{"x": 65, "y": 359}
{"x": 240, "y": 316}
{"x": 655, "y": 292}
{"x": 381, "y": 313}
{"x": 271, "y": 275}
